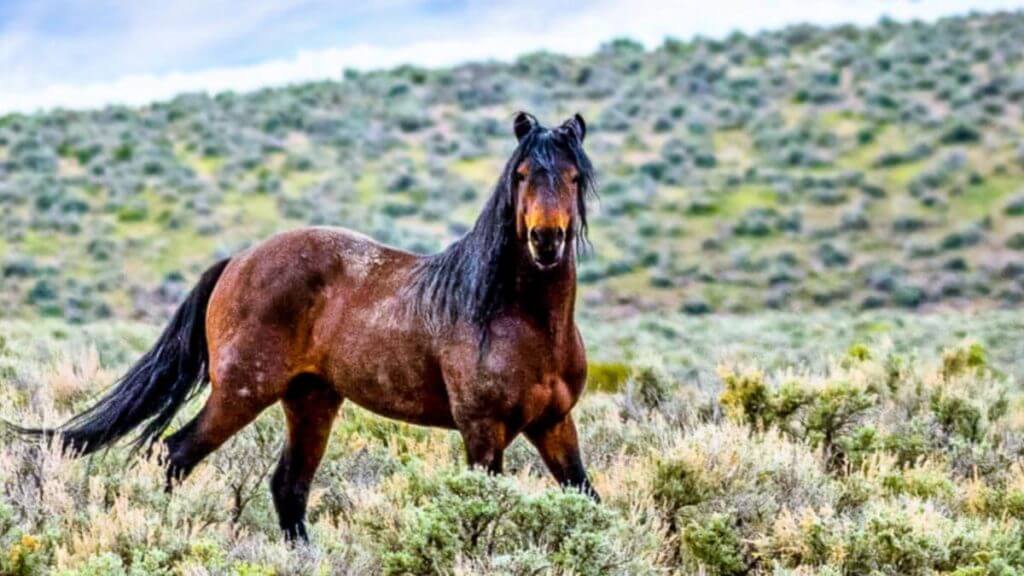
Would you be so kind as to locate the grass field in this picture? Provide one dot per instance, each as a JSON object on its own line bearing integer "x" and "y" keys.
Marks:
{"x": 769, "y": 444}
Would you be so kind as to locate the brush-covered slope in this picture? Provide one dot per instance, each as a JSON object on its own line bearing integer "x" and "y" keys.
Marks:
{"x": 808, "y": 167}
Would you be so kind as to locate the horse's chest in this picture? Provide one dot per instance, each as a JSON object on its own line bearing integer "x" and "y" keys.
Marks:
{"x": 554, "y": 394}
{"x": 536, "y": 380}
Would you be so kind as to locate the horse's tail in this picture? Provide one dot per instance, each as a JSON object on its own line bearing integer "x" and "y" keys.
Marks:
{"x": 152, "y": 390}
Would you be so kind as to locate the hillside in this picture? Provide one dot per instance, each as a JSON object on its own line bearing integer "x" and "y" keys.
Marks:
{"x": 803, "y": 168}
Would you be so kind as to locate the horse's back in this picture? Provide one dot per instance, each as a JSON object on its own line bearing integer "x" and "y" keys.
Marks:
{"x": 271, "y": 298}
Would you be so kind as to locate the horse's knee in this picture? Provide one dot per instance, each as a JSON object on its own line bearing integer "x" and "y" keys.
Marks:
{"x": 485, "y": 445}
{"x": 490, "y": 459}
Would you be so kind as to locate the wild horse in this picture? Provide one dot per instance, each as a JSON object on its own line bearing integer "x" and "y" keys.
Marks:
{"x": 480, "y": 337}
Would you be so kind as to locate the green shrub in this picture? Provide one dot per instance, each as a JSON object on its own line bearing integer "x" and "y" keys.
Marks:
{"x": 831, "y": 412}
{"x": 1011, "y": 502}
{"x": 888, "y": 543}
{"x": 860, "y": 445}
{"x": 925, "y": 483}
{"x": 858, "y": 353}
{"x": 1015, "y": 241}
{"x": 958, "y": 416}
{"x": 1015, "y": 205}
{"x": 607, "y": 376}
{"x": 27, "y": 555}
{"x": 820, "y": 416}
{"x": 714, "y": 542}
{"x": 909, "y": 443}
{"x": 963, "y": 359}
{"x": 786, "y": 401}
{"x": 746, "y": 398}
{"x": 960, "y": 133}
{"x": 676, "y": 485}
{"x": 473, "y": 515}
{"x": 649, "y": 385}
{"x": 796, "y": 540}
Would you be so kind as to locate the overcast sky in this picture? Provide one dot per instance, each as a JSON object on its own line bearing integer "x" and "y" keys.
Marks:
{"x": 87, "y": 53}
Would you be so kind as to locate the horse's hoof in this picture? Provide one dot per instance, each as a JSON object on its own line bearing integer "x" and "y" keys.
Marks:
{"x": 296, "y": 535}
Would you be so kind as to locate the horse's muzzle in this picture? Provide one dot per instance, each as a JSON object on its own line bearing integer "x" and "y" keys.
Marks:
{"x": 546, "y": 246}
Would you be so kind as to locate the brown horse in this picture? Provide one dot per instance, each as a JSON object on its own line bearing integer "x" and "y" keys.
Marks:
{"x": 479, "y": 338}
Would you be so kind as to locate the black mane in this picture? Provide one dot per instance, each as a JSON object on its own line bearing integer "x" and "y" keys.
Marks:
{"x": 472, "y": 279}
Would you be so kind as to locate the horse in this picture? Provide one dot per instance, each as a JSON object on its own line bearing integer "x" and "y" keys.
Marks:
{"x": 479, "y": 337}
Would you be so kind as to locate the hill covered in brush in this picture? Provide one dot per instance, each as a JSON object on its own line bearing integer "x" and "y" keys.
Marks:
{"x": 802, "y": 168}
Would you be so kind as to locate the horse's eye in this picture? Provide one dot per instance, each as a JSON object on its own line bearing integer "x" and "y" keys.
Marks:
{"x": 576, "y": 180}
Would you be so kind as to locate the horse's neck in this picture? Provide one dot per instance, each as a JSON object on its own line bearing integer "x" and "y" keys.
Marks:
{"x": 550, "y": 298}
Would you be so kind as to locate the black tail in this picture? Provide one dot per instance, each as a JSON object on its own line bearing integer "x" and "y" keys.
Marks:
{"x": 155, "y": 388}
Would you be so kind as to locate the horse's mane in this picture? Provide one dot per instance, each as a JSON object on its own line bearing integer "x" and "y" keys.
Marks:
{"x": 472, "y": 279}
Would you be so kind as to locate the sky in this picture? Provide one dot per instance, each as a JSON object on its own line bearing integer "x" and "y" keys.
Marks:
{"x": 90, "y": 53}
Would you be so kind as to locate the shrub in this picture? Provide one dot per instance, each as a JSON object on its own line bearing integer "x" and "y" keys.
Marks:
{"x": 720, "y": 490}
{"x": 25, "y": 557}
{"x": 1015, "y": 206}
{"x": 818, "y": 415}
{"x": 890, "y": 542}
{"x": 831, "y": 412}
{"x": 960, "y": 133}
{"x": 696, "y": 307}
{"x": 908, "y": 296}
{"x": 804, "y": 539}
{"x": 957, "y": 415}
{"x": 103, "y": 564}
{"x": 677, "y": 485}
{"x": 649, "y": 385}
{"x": 1016, "y": 241}
{"x": 606, "y": 376}
{"x": 473, "y": 515}
{"x": 923, "y": 481}
{"x": 963, "y": 359}
{"x": 746, "y": 398}
{"x": 715, "y": 543}
{"x": 909, "y": 442}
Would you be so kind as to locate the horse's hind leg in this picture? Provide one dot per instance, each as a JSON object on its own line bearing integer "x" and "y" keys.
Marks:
{"x": 310, "y": 406}
{"x": 243, "y": 385}
{"x": 223, "y": 415}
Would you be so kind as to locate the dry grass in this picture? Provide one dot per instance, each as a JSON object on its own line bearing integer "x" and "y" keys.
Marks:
{"x": 891, "y": 463}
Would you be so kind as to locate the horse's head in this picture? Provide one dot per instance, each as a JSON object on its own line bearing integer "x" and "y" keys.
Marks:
{"x": 550, "y": 178}
{"x": 533, "y": 222}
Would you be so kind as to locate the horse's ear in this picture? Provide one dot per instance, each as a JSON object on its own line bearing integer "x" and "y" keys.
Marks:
{"x": 523, "y": 124}
{"x": 576, "y": 126}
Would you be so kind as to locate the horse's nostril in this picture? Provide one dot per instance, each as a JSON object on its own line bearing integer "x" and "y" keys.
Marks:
{"x": 547, "y": 241}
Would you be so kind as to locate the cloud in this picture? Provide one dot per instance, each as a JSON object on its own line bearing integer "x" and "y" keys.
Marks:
{"x": 77, "y": 54}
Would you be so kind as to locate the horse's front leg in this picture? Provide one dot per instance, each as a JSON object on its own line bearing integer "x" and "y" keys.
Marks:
{"x": 485, "y": 442}
{"x": 560, "y": 450}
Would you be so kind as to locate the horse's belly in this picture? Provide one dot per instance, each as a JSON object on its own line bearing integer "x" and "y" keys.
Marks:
{"x": 418, "y": 399}
{"x": 392, "y": 374}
